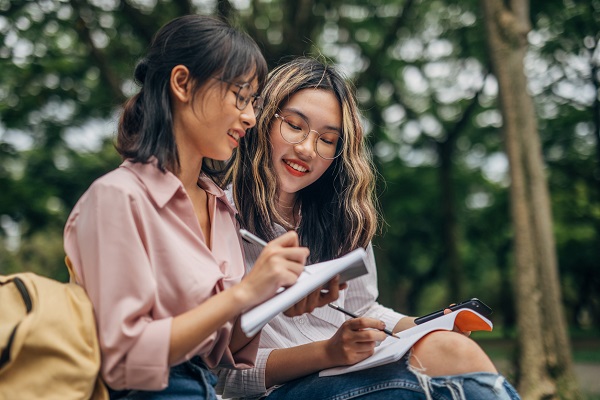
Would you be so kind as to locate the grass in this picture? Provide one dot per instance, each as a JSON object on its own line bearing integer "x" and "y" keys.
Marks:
{"x": 584, "y": 344}
{"x": 585, "y": 350}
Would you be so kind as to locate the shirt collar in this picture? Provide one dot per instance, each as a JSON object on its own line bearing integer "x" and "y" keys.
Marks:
{"x": 162, "y": 186}
{"x": 211, "y": 187}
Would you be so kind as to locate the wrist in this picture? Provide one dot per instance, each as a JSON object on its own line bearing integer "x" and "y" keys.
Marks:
{"x": 242, "y": 296}
{"x": 329, "y": 359}
{"x": 404, "y": 323}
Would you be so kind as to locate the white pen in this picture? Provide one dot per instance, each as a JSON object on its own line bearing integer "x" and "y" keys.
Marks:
{"x": 252, "y": 238}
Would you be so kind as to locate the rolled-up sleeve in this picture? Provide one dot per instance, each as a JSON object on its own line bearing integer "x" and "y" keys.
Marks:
{"x": 244, "y": 383}
{"x": 108, "y": 252}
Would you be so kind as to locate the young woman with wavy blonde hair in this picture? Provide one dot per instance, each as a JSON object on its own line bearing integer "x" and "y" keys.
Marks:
{"x": 306, "y": 167}
{"x": 341, "y": 204}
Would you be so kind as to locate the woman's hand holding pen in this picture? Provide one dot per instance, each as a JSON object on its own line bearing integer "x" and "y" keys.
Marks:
{"x": 355, "y": 340}
{"x": 279, "y": 265}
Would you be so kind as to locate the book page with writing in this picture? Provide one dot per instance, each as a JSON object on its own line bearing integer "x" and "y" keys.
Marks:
{"x": 393, "y": 348}
{"x": 350, "y": 266}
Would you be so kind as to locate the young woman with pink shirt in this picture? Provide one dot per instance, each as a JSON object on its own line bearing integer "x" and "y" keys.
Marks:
{"x": 154, "y": 242}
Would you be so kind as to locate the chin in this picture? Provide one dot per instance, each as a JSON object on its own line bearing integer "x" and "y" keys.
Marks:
{"x": 226, "y": 154}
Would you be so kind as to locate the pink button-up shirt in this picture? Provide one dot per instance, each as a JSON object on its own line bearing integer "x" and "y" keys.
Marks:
{"x": 138, "y": 250}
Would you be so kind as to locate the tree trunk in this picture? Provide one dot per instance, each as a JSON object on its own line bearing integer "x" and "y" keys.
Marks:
{"x": 545, "y": 362}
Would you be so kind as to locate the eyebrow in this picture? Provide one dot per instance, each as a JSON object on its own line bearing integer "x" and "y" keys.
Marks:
{"x": 301, "y": 114}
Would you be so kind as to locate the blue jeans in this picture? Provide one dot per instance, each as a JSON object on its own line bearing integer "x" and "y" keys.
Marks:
{"x": 190, "y": 380}
{"x": 397, "y": 381}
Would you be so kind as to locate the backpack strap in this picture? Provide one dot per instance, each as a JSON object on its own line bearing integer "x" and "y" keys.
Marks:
{"x": 20, "y": 285}
{"x": 72, "y": 273}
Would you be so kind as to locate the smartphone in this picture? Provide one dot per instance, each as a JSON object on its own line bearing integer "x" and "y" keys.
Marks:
{"x": 474, "y": 304}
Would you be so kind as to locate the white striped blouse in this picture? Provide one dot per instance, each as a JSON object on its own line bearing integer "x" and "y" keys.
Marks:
{"x": 284, "y": 332}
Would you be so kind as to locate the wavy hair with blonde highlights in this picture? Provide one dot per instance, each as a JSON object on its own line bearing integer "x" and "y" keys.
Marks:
{"x": 339, "y": 211}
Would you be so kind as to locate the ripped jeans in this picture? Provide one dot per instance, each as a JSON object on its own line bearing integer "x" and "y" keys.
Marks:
{"x": 397, "y": 381}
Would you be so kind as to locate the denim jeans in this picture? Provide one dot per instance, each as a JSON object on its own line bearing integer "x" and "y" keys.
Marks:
{"x": 397, "y": 381}
{"x": 190, "y": 380}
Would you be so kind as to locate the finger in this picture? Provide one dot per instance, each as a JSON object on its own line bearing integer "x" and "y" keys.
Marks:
{"x": 363, "y": 347}
{"x": 295, "y": 310}
{"x": 282, "y": 266}
{"x": 288, "y": 239}
{"x": 328, "y": 297}
{"x": 331, "y": 292}
{"x": 288, "y": 274}
{"x": 368, "y": 337}
{"x": 308, "y": 303}
{"x": 313, "y": 301}
{"x": 366, "y": 323}
{"x": 296, "y": 254}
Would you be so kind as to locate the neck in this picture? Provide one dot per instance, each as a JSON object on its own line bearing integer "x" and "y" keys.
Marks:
{"x": 190, "y": 160}
{"x": 189, "y": 169}
{"x": 288, "y": 209}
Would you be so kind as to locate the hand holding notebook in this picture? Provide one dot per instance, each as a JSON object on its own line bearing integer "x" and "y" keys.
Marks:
{"x": 315, "y": 276}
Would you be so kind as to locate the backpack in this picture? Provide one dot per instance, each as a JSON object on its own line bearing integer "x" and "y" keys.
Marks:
{"x": 48, "y": 341}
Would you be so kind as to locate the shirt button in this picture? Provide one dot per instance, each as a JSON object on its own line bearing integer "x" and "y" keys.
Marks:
{"x": 301, "y": 320}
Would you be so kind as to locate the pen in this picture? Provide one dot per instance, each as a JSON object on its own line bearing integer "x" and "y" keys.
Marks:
{"x": 252, "y": 238}
{"x": 350, "y": 314}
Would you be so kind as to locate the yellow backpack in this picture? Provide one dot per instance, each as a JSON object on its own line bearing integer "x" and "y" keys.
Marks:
{"x": 48, "y": 341}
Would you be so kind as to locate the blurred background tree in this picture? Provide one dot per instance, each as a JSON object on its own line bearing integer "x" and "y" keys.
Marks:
{"x": 429, "y": 97}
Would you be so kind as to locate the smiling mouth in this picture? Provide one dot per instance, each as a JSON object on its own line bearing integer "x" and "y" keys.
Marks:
{"x": 234, "y": 135}
{"x": 295, "y": 166}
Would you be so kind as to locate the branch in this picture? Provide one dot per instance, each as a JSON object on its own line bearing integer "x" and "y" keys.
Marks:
{"x": 512, "y": 28}
{"x": 184, "y": 7}
{"x": 388, "y": 40}
{"x": 139, "y": 21}
{"x": 466, "y": 116}
{"x": 98, "y": 56}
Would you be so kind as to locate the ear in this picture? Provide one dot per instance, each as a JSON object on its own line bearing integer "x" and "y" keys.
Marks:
{"x": 181, "y": 83}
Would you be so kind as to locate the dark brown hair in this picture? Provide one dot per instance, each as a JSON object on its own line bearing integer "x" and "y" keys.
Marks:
{"x": 209, "y": 48}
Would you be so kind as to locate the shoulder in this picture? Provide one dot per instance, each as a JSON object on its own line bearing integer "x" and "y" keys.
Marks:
{"x": 119, "y": 180}
{"x": 114, "y": 189}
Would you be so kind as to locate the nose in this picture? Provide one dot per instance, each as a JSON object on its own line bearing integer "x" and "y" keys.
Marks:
{"x": 248, "y": 117}
{"x": 307, "y": 147}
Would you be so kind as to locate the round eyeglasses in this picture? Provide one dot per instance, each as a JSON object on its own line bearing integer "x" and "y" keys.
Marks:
{"x": 294, "y": 129}
{"x": 244, "y": 95}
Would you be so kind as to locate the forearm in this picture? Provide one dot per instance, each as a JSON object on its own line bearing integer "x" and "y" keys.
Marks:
{"x": 404, "y": 323}
{"x": 238, "y": 338}
{"x": 194, "y": 326}
{"x": 285, "y": 365}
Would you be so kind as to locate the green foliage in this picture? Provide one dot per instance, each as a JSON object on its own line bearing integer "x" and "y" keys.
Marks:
{"x": 429, "y": 105}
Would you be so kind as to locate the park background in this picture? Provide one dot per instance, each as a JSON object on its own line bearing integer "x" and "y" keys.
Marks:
{"x": 483, "y": 118}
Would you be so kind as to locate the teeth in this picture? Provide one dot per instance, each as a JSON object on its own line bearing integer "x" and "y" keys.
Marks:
{"x": 296, "y": 166}
{"x": 233, "y": 134}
